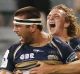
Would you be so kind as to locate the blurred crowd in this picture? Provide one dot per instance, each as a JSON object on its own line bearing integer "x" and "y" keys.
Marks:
{"x": 8, "y": 7}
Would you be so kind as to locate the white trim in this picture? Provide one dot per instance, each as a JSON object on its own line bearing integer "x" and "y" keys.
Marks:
{"x": 34, "y": 19}
{"x": 17, "y": 50}
{"x": 5, "y": 60}
{"x": 19, "y": 23}
{"x": 57, "y": 49}
{"x": 71, "y": 57}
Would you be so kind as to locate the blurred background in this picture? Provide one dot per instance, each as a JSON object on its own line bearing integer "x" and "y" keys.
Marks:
{"x": 7, "y": 9}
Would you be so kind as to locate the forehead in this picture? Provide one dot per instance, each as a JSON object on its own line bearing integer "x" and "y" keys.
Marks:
{"x": 20, "y": 16}
{"x": 57, "y": 12}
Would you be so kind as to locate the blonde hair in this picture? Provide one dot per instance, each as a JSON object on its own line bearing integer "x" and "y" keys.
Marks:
{"x": 74, "y": 28}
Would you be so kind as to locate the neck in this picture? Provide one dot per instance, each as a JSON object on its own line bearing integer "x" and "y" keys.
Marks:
{"x": 39, "y": 39}
{"x": 64, "y": 36}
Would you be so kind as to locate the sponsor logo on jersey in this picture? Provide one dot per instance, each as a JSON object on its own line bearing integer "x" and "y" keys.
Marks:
{"x": 37, "y": 50}
{"x": 27, "y": 56}
{"x": 52, "y": 57}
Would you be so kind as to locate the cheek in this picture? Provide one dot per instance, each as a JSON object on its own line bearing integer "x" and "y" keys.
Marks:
{"x": 27, "y": 33}
{"x": 60, "y": 20}
{"x": 55, "y": 30}
{"x": 59, "y": 25}
{"x": 47, "y": 21}
{"x": 23, "y": 32}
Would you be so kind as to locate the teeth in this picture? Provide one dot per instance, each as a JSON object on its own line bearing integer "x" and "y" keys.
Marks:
{"x": 52, "y": 25}
{"x": 51, "y": 22}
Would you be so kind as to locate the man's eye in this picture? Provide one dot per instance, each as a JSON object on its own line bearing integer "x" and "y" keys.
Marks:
{"x": 52, "y": 25}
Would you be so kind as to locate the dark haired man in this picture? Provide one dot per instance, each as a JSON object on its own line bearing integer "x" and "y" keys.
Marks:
{"x": 34, "y": 46}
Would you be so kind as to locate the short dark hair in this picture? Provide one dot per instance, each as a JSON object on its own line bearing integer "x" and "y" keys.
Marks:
{"x": 29, "y": 12}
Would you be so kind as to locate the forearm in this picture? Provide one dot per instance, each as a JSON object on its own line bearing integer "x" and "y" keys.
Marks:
{"x": 5, "y": 72}
{"x": 66, "y": 69}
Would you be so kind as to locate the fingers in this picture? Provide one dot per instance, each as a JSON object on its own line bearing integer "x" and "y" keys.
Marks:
{"x": 18, "y": 72}
{"x": 33, "y": 71}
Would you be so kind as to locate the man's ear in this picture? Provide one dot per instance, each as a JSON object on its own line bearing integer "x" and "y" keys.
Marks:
{"x": 33, "y": 28}
{"x": 66, "y": 25}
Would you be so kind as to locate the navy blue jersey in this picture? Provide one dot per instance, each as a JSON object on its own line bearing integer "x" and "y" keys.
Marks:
{"x": 64, "y": 49}
{"x": 74, "y": 43}
{"x": 25, "y": 55}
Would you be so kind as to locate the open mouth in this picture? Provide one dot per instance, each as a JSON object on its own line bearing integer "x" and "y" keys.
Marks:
{"x": 52, "y": 25}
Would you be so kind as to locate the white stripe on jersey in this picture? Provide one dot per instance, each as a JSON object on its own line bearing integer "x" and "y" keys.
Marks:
{"x": 5, "y": 60}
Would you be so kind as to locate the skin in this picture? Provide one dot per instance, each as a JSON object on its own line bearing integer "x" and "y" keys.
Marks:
{"x": 45, "y": 68}
{"x": 23, "y": 31}
{"x": 29, "y": 34}
{"x": 72, "y": 68}
{"x": 60, "y": 28}
{"x": 56, "y": 19}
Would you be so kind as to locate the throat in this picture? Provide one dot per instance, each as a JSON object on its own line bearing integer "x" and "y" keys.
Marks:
{"x": 64, "y": 38}
{"x": 39, "y": 44}
{"x": 41, "y": 40}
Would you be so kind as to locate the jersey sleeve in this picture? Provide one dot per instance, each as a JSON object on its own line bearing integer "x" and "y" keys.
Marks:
{"x": 7, "y": 61}
{"x": 75, "y": 44}
{"x": 66, "y": 52}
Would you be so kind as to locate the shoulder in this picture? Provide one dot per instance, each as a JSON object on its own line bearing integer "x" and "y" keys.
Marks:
{"x": 75, "y": 43}
{"x": 13, "y": 47}
{"x": 75, "y": 39}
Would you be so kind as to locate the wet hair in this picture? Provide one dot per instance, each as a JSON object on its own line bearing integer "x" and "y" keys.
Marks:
{"x": 70, "y": 17}
{"x": 30, "y": 13}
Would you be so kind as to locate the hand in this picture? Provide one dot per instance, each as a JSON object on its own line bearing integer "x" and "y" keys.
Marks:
{"x": 18, "y": 72}
{"x": 42, "y": 69}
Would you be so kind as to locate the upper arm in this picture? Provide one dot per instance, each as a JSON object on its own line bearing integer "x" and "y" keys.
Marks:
{"x": 7, "y": 61}
{"x": 66, "y": 52}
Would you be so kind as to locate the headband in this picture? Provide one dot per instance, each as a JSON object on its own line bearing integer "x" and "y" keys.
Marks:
{"x": 19, "y": 21}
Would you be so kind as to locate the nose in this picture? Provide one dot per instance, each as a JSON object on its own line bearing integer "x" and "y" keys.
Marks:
{"x": 15, "y": 29}
{"x": 51, "y": 18}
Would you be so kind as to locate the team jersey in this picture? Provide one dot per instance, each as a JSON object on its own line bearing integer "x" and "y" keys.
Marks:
{"x": 74, "y": 43}
{"x": 66, "y": 51}
{"x": 23, "y": 56}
